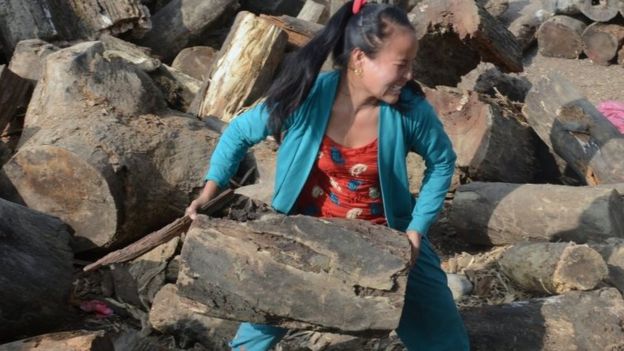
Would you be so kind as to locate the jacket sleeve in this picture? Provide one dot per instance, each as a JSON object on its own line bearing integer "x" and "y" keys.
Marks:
{"x": 430, "y": 141}
{"x": 242, "y": 133}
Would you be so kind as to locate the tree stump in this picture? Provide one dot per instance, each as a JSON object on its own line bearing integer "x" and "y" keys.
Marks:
{"x": 601, "y": 42}
{"x": 574, "y": 321}
{"x": 455, "y": 36}
{"x": 95, "y": 154}
{"x": 342, "y": 275}
{"x": 600, "y": 11}
{"x": 490, "y": 145}
{"x": 244, "y": 68}
{"x": 574, "y": 129}
{"x": 553, "y": 268}
{"x": 499, "y": 213}
{"x": 36, "y": 270}
{"x": 561, "y": 36}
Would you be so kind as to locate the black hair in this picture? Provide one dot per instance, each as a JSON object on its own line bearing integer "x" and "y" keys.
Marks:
{"x": 343, "y": 32}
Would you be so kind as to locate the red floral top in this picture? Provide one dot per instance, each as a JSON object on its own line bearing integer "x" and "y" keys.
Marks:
{"x": 344, "y": 182}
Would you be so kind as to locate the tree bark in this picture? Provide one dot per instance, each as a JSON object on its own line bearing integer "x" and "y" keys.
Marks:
{"x": 602, "y": 41}
{"x": 80, "y": 340}
{"x": 244, "y": 68}
{"x": 180, "y": 22}
{"x": 574, "y": 129}
{"x": 36, "y": 269}
{"x": 561, "y": 36}
{"x": 343, "y": 275}
{"x": 96, "y": 154}
{"x": 553, "y": 268}
{"x": 574, "y": 321}
{"x": 491, "y": 145}
{"x": 499, "y": 213}
{"x": 600, "y": 11}
{"x": 455, "y": 36}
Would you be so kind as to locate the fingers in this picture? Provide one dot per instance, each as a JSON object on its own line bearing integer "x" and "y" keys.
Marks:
{"x": 191, "y": 211}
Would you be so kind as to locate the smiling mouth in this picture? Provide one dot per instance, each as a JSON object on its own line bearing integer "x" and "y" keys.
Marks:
{"x": 395, "y": 89}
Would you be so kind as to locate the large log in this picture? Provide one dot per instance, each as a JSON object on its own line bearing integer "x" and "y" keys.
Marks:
{"x": 553, "y": 268}
{"x": 80, "y": 340}
{"x": 187, "y": 319}
{"x": 95, "y": 153}
{"x": 491, "y": 144}
{"x": 523, "y": 18}
{"x": 488, "y": 79}
{"x": 297, "y": 272}
{"x": 244, "y": 68}
{"x": 589, "y": 321}
{"x": 561, "y": 36}
{"x": 454, "y": 36}
{"x": 574, "y": 129}
{"x": 195, "y": 61}
{"x": 36, "y": 270}
{"x": 68, "y": 19}
{"x": 182, "y": 21}
{"x": 29, "y": 56}
{"x": 601, "y": 42}
{"x": 499, "y": 213}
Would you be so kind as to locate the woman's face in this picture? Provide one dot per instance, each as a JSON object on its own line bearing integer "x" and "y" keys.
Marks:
{"x": 384, "y": 75}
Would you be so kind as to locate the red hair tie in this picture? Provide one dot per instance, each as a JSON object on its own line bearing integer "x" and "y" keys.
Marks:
{"x": 357, "y": 5}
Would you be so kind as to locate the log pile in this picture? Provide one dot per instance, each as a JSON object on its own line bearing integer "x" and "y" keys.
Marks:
{"x": 110, "y": 110}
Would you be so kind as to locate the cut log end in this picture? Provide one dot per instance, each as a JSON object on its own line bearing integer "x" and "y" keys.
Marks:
{"x": 580, "y": 268}
{"x": 560, "y": 36}
{"x": 58, "y": 182}
{"x": 600, "y": 11}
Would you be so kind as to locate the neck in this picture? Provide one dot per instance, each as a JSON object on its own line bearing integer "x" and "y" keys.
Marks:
{"x": 352, "y": 95}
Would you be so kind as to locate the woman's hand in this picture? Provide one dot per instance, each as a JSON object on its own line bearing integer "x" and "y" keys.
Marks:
{"x": 208, "y": 193}
{"x": 414, "y": 239}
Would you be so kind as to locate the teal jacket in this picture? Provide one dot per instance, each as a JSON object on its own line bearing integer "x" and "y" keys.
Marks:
{"x": 418, "y": 130}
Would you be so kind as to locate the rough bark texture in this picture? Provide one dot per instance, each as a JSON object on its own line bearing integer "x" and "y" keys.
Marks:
{"x": 455, "y": 35}
{"x": 36, "y": 265}
{"x": 600, "y": 11}
{"x": 573, "y": 128}
{"x": 94, "y": 153}
{"x": 195, "y": 61}
{"x": 490, "y": 146}
{"x": 561, "y": 36}
{"x": 601, "y": 42}
{"x": 182, "y": 21}
{"x": 188, "y": 320}
{"x": 589, "y": 321}
{"x": 244, "y": 68}
{"x": 499, "y": 213}
{"x": 81, "y": 340}
{"x": 297, "y": 272}
{"x": 553, "y": 268}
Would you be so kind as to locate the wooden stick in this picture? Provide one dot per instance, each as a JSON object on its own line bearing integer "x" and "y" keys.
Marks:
{"x": 160, "y": 236}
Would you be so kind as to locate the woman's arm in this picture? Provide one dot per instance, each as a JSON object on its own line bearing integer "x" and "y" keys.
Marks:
{"x": 431, "y": 142}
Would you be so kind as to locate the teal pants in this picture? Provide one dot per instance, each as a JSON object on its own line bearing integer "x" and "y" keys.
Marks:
{"x": 430, "y": 320}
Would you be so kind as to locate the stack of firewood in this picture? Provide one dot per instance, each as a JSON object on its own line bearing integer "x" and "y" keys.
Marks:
{"x": 109, "y": 112}
{"x": 592, "y": 28}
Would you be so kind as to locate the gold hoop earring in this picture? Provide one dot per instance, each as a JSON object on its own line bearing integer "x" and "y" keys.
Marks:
{"x": 358, "y": 72}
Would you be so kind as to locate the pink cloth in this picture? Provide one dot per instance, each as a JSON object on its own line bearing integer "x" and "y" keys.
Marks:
{"x": 100, "y": 308}
{"x": 614, "y": 111}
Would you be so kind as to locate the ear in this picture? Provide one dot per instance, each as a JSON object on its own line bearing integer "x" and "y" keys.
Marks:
{"x": 357, "y": 57}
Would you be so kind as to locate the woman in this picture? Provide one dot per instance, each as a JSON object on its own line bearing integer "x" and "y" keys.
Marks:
{"x": 344, "y": 136}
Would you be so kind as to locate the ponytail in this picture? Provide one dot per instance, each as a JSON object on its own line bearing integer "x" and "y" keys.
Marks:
{"x": 294, "y": 82}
